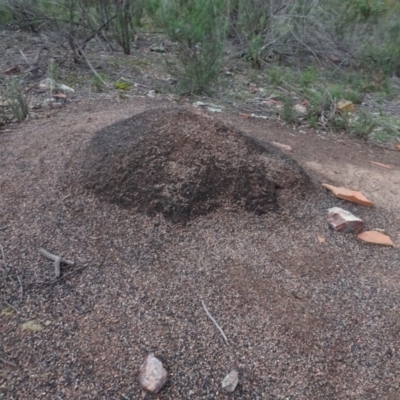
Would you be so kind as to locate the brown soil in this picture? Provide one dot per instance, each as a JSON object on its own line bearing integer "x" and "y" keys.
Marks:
{"x": 182, "y": 165}
{"x": 304, "y": 320}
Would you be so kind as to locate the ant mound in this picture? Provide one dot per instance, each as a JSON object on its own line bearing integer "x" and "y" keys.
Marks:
{"x": 182, "y": 165}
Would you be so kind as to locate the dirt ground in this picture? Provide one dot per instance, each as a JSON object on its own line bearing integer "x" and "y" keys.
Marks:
{"x": 304, "y": 320}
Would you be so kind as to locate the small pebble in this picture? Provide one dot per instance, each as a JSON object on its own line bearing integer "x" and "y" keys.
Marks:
{"x": 152, "y": 375}
{"x": 230, "y": 381}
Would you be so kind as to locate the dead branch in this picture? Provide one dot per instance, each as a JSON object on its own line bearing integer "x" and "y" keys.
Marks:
{"x": 95, "y": 32}
{"x": 8, "y": 362}
{"x": 68, "y": 274}
{"x": 92, "y": 69}
{"x": 57, "y": 261}
{"x": 4, "y": 260}
{"x": 21, "y": 289}
{"x": 11, "y": 306}
{"x": 214, "y": 322}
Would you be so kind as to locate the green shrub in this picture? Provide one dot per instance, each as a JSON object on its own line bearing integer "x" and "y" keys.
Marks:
{"x": 199, "y": 29}
{"x": 17, "y": 100}
{"x": 308, "y": 77}
{"x": 6, "y": 16}
{"x": 340, "y": 92}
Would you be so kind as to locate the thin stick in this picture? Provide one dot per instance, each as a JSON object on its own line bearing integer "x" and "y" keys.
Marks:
{"x": 57, "y": 261}
{"x": 4, "y": 260}
{"x": 69, "y": 273}
{"x": 21, "y": 289}
{"x": 8, "y": 362}
{"x": 2, "y": 254}
{"x": 11, "y": 306}
{"x": 3, "y": 228}
{"x": 92, "y": 69}
{"x": 214, "y": 321}
{"x": 26, "y": 60}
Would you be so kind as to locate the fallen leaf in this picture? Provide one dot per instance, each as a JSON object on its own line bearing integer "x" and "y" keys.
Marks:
{"x": 333, "y": 58}
{"x": 381, "y": 165}
{"x": 300, "y": 109}
{"x": 397, "y": 146}
{"x": 33, "y": 326}
{"x": 349, "y": 195}
{"x": 345, "y": 106}
{"x": 376, "y": 238}
{"x": 321, "y": 239}
{"x": 243, "y": 115}
{"x": 282, "y": 146}
{"x": 7, "y": 311}
{"x": 12, "y": 70}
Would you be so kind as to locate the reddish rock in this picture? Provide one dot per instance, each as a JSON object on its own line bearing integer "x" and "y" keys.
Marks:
{"x": 152, "y": 375}
{"x": 344, "y": 221}
{"x": 376, "y": 238}
{"x": 349, "y": 195}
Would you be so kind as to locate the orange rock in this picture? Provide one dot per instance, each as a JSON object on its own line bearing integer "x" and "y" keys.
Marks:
{"x": 321, "y": 239}
{"x": 376, "y": 238}
{"x": 349, "y": 195}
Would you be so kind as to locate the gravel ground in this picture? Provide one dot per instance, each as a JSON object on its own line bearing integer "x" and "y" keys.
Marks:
{"x": 304, "y": 320}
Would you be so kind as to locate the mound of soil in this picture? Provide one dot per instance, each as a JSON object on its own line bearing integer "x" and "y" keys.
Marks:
{"x": 182, "y": 164}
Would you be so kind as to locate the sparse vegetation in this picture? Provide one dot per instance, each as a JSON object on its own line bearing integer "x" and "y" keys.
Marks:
{"x": 313, "y": 53}
{"x": 16, "y": 100}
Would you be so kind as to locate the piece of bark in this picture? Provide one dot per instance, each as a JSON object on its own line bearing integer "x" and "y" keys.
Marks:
{"x": 376, "y": 237}
{"x": 344, "y": 221}
{"x": 12, "y": 70}
{"x": 349, "y": 195}
{"x": 152, "y": 374}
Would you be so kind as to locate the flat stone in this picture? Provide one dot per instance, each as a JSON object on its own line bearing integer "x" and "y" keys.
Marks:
{"x": 33, "y": 326}
{"x": 376, "y": 238}
{"x": 349, "y": 195}
{"x": 230, "y": 381}
{"x": 152, "y": 374}
{"x": 344, "y": 221}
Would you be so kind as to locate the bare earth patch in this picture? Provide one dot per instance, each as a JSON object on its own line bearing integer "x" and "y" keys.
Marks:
{"x": 304, "y": 320}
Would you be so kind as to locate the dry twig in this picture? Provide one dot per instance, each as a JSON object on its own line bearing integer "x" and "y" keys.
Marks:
{"x": 4, "y": 260}
{"x": 214, "y": 321}
{"x": 57, "y": 261}
{"x": 92, "y": 69}
{"x": 11, "y": 306}
{"x": 8, "y": 362}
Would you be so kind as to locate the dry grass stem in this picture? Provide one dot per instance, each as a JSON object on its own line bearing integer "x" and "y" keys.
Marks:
{"x": 214, "y": 322}
{"x": 8, "y": 362}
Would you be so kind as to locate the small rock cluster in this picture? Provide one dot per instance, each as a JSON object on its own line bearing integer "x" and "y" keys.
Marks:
{"x": 344, "y": 221}
{"x": 153, "y": 376}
